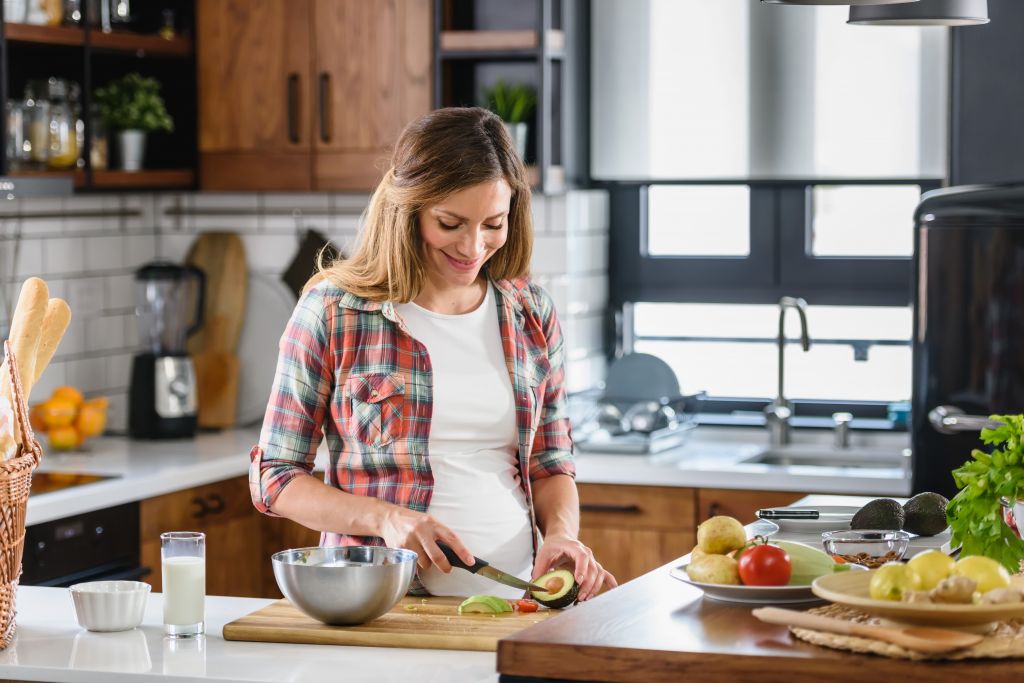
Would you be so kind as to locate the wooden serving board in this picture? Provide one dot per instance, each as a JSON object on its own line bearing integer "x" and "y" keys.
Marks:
{"x": 428, "y": 624}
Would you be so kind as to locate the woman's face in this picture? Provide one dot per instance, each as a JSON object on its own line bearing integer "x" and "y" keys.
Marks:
{"x": 464, "y": 230}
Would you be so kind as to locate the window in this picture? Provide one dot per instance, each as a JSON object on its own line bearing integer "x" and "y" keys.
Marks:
{"x": 863, "y": 220}
{"x": 857, "y": 353}
{"x": 699, "y": 220}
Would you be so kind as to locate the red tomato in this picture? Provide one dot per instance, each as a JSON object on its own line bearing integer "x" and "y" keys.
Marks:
{"x": 765, "y": 565}
{"x": 526, "y": 605}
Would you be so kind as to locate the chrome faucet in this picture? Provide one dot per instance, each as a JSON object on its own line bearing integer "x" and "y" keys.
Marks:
{"x": 778, "y": 412}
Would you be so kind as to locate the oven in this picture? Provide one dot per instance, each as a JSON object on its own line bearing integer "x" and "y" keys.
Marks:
{"x": 92, "y": 546}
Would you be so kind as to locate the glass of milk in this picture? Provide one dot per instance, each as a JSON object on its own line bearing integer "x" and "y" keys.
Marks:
{"x": 183, "y": 564}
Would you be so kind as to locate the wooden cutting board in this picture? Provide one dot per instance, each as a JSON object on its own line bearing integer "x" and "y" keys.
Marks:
{"x": 221, "y": 257}
{"x": 428, "y": 624}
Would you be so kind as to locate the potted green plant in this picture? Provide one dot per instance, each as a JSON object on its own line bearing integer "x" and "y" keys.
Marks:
{"x": 132, "y": 106}
{"x": 513, "y": 104}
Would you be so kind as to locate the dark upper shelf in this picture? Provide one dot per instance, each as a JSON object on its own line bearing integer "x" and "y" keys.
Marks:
{"x": 117, "y": 41}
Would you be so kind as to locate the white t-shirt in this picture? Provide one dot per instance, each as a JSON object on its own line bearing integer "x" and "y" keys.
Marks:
{"x": 473, "y": 445}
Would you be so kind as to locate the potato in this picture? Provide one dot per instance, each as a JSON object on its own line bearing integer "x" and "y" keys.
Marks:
{"x": 720, "y": 535}
{"x": 715, "y": 569}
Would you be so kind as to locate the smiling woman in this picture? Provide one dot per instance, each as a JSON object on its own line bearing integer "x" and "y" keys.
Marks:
{"x": 434, "y": 367}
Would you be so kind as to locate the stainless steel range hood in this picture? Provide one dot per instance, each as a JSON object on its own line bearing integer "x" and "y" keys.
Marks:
{"x": 18, "y": 187}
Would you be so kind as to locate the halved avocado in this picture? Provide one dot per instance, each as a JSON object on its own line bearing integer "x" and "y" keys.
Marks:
{"x": 562, "y": 589}
{"x": 484, "y": 604}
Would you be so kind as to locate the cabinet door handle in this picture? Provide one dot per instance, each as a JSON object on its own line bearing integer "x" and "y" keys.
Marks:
{"x": 201, "y": 508}
{"x": 713, "y": 510}
{"x": 293, "y": 106}
{"x": 610, "y": 507}
{"x": 216, "y": 503}
{"x": 325, "y": 93}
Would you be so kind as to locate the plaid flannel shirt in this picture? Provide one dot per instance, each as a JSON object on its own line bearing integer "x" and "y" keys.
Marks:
{"x": 349, "y": 369}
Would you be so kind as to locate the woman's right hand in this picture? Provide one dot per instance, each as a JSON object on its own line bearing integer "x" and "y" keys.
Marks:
{"x": 419, "y": 532}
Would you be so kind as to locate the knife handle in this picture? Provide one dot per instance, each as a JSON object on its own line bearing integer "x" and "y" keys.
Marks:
{"x": 783, "y": 513}
{"x": 456, "y": 561}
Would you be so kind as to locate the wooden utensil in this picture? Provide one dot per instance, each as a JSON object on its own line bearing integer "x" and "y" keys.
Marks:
{"x": 917, "y": 638}
{"x": 221, "y": 257}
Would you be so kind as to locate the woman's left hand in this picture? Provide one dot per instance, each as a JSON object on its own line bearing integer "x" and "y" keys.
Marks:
{"x": 557, "y": 551}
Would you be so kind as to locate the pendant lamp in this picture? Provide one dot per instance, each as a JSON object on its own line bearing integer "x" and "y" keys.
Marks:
{"x": 923, "y": 13}
{"x": 836, "y": 2}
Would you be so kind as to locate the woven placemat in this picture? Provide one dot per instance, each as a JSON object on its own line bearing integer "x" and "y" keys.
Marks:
{"x": 1006, "y": 640}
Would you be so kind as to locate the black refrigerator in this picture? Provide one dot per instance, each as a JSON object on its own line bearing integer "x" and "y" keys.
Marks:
{"x": 968, "y": 345}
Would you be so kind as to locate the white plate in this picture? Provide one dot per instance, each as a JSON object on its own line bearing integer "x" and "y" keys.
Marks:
{"x": 268, "y": 306}
{"x": 807, "y": 526}
{"x": 752, "y": 595}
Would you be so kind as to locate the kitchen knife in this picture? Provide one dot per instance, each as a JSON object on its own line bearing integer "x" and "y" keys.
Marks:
{"x": 483, "y": 569}
{"x": 788, "y": 513}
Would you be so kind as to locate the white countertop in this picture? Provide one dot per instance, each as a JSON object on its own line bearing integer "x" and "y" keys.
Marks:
{"x": 50, "y": 646}
{"x": 710, "y": 458}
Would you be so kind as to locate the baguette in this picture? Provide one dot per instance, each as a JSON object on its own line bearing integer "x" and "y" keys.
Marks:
{"x": 26, "y": 326}
{"x": 55, "y": 323}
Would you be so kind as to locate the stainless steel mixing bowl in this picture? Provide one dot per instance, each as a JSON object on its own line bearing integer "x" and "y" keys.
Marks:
{"x": 344, "y": 586}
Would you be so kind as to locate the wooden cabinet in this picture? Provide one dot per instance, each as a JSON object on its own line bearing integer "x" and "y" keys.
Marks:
{"x": 308, "y": 94}
{"x": 743, "y": 505}
{"x": 634, "y": 529}
{"x": 224, "y": 512}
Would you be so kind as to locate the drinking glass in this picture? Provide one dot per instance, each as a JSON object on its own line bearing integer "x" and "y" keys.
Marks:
{"x": 183, "y": 565}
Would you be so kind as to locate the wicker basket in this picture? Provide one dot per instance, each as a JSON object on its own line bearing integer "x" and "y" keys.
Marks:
{"x": 15, "y": 480}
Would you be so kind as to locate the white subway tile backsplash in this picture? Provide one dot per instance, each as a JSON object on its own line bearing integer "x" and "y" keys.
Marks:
{"x": 174, "y": 246}
{"x": 86, "y": 296}
{"x": 117, "y": 413}
{"x": 169, "y": 223}
{"x": 64, "y": 256}
{"x": 29, "y": 260}
{"x": 73, "y": 342}
{"x": 105, "y": 253}
{"x": 53, "y": 376}
{"x": 270, "y": 253}
{"x": 119, "y": 370}
{"x": 583, "y": 334}
{"x": 587, "y": 294}
{"x": 587, "y": 254}
{"x": 351, "y": 203}
{"x": 584, "y": 373}
{"x": 120, "y": 292}
{"x": 549, "y": 255}
{"x": 139, "y": 249}
{"x": 553, "y": 218}
{"x": 242, "y": 222}
{"x": 317, "y": 202}
{"x": 87, "y": 374}
{"x": 104, "y": 333}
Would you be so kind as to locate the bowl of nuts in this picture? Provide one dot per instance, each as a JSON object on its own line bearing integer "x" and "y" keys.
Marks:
{"x": 870, "y": 548}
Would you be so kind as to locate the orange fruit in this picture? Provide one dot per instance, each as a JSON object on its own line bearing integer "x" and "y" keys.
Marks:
{"x": 99, "y": 403}
{"x": 58, "y": 412}
{"x": 35, "y": 418}
{"x": 64, "y": 438}
{"x": 91, "y": 420}
{"x": 70, "y": 394}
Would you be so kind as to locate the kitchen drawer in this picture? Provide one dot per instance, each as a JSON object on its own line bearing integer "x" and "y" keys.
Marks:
{"x": 664, "y": 508}
{"x": 195, "y": 507}
{"x": 741, "y": 504}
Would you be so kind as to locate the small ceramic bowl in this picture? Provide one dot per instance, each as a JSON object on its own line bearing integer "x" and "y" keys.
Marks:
{"x": 109, "y": 605}
{"x": 867, "y": 547}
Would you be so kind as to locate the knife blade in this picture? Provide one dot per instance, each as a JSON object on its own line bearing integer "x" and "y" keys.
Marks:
{"x": 789, "y": 513}
{"x": 482, "y": 568}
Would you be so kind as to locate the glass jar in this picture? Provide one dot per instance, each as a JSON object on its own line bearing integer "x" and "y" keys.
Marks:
{"x": 63, "y": 127}
{"x": 73, "y": 12}
{"x": 15, "y": 134}
{"x": 36, "y": 112}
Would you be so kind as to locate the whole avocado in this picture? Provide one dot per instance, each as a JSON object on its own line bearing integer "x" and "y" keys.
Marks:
{"x": 881, "y": 513}
{"x": 925, "y": 514}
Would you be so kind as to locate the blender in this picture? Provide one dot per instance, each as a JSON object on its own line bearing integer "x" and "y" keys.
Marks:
{"x": 162, "y": 394}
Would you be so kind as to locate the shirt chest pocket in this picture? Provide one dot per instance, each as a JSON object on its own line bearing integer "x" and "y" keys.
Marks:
{"x": 376, "y": 401}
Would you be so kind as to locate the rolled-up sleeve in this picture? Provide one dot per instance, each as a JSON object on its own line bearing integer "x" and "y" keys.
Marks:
{"x": 293, "y": 424}
{"x": 552, "y": 445}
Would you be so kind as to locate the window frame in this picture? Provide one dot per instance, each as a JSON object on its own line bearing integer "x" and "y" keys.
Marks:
{"x": 780, "y": 263}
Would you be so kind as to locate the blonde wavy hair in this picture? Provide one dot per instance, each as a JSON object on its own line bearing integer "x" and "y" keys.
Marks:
{"x": 446, "y": 151}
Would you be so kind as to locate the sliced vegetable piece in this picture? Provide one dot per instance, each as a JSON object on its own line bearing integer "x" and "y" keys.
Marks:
{"x": 484, "y": 604}
{"x": 527, "y": 606}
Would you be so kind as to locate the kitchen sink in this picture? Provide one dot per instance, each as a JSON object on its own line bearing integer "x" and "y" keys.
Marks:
{"x": 828, "y": 457}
